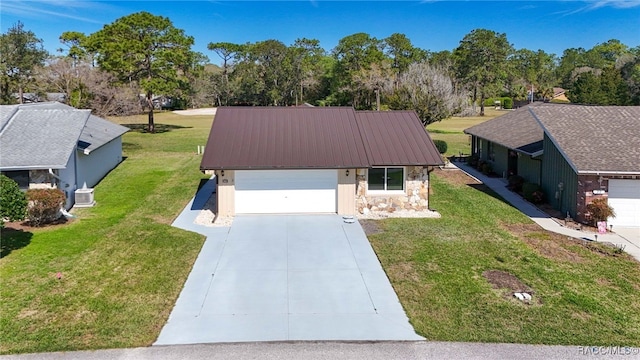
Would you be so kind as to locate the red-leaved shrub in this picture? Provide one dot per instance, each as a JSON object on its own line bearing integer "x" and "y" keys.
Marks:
{"x": 44, "y": 205}
{"x": 599, "y": 210}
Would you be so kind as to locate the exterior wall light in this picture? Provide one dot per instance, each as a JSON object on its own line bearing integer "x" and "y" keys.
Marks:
{"x": 347, "y": 172}
{"x": 221, "y": 172}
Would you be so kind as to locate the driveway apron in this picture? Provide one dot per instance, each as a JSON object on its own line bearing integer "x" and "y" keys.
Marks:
{"x": 286, "y": 277}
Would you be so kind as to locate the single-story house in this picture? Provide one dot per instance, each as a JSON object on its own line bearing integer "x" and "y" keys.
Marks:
{"x": 52, "y": 145}
{"x": 576, "y": 153}
{"x": 318, "y": 160}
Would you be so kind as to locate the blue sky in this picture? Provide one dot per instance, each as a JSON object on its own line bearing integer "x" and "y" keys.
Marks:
{"x": 433, "y": 25}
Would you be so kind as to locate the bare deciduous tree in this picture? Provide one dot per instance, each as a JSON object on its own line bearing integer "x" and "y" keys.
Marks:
{"x": 430, "y": 92}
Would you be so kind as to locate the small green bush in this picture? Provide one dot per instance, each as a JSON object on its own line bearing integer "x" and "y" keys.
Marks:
{"x": 489, "y": 102}
{"x": 532, "y": 192}
{"x": 487, "y": 168}
{"x": 13, "y": 203}
{"x": 507, "y": 103}
{"x": 44, "y": 205}
{"x": 472, "y": 160}
{"x": 515, "y": 182}
{"x": 441, "y": 145}
{"x": 599, "y": 210}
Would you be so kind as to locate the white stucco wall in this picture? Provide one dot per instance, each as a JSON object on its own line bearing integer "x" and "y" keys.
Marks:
{"x": 93, "y": 167}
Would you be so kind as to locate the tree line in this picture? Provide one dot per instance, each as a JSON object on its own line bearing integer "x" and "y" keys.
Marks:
{"x": 121, "y": 68}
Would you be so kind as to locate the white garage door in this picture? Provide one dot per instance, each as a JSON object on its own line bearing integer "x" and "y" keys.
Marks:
{"x": 286, "y": 191}
{"x": 624, "y": 198}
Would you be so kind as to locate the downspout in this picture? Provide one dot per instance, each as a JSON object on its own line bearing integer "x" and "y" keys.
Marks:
{"x": 55, "y": 176}
{"x": 429, "y": 187}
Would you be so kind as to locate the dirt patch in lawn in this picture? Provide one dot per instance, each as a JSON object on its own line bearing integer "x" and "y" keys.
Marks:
{"x": 550, "y": 245}
{"x": 456, "y": 177}
{"x": 559, "y": 247}
{"x": 508, "y": 286}
{"x": 504, "y": 280}
{"x": 370, "y": 226}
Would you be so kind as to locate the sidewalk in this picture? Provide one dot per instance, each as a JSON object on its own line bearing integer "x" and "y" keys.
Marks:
{"x": 631, "y": 244}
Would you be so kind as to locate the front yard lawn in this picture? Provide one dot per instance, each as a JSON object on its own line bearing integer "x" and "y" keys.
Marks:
{"x": 121, "y": 263}
{"x": 583, "y": 293}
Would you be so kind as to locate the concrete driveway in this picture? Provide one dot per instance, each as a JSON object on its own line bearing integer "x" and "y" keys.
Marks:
{"x": 632, "y": 237}
{"x": 286, "y": 277}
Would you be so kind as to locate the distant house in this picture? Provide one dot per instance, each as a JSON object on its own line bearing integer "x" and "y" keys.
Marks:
{"x": 319, "y": 160}
{"x": 52, "y": 145}
{"x": 28, "y": 98}
{"x": 559, "y": 94}
{"x": 576, "y": 153}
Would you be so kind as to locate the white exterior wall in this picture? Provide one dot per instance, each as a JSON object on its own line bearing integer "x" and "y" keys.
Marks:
{"x": 93, "y": 167}
{"x": 67, "y": 181}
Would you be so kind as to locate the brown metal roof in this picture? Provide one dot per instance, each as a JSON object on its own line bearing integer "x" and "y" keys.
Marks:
{"x": 396, "y": 138}
{"x": 284, "y": 138}
{"x": 315, "y": 137}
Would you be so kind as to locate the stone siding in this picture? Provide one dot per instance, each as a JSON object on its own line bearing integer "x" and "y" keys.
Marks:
{"x": 41, "y": 179}
{"x": 415, "y": 197}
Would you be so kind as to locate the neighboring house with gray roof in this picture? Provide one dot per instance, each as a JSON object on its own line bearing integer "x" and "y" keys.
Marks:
{"x": 52, "y": 145}
{"x": 584, "y": 152}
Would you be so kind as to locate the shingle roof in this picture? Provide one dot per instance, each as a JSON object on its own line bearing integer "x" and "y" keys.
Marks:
{"x": 515, "y": 130}
{"x": 396, "y": 138}
{"x": 313, "y": 137}
{"x": 594, "y": 138}
{"x": 24, "y": 145}
{"x": 26, "y": 141}
{"x": 98, "y": 132}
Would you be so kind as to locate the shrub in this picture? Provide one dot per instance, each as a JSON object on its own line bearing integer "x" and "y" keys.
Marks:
{"x": 441, "y": 145}
{"x": 532, "y": 192}
{"x": 44, "y": 205}
{"x": 515, "y": 182}
{"x": 13, "y": 203}
{"x": 507, "y": 103}
{"x": 472, "y": 160}
{"x": 489, "y": 102}
{"x": 487, "y": 168}
{"x": 538, "y": 197}
{"x": 600, "y": 210}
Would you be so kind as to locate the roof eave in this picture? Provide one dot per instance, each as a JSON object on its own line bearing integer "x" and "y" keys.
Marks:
{"x": 607, "y": 172}
{"x": 32, "y": 167}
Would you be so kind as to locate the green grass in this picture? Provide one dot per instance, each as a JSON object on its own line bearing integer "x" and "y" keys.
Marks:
{"x": 451, "y": 130}
{"x": 582, "y": 295}
{"x": 122, "y": 264}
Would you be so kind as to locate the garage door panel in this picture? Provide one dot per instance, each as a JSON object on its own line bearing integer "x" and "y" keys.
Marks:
{"x": 285, "y": 191}
{"x": 624, "y": 198}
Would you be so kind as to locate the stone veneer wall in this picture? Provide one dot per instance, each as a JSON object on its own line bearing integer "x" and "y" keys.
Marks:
{"x": 416, "y": 196}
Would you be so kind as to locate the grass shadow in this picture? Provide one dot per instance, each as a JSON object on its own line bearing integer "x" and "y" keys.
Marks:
{"x": 159, "y": 128}
{"x": 487, "y": 190}
{"x": 13, "y": 239}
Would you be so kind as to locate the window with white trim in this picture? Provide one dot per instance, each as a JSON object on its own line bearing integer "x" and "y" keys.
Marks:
{"x": 386, "y": 179}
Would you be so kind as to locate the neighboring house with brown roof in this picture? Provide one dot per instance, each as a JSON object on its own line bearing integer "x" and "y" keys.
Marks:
{"x": 52, "y": 145}
{"x": 318, "y": 160}
{"x": 583, "y": 152}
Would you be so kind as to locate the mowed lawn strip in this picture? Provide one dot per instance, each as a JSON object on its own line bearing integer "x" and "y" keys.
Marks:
{"x": 121, "y": 262}
{"x": 584, "y": 293}
{"x": 451, "y": 130}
